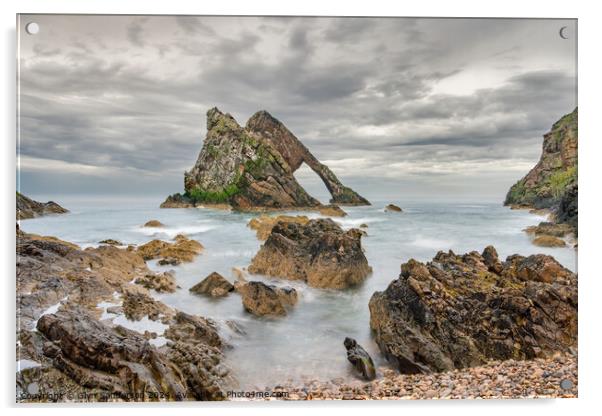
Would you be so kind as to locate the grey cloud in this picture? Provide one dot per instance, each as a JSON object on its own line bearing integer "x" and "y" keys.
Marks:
{"x": 348, "y": 88}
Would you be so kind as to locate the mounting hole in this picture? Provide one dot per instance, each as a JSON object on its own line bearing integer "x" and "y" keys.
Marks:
{"x": 32, "y": 28}
{"x": 566, "y": 384}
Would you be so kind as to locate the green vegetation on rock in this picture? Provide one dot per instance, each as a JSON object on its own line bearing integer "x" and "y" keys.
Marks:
{"x": 214, "y": 197}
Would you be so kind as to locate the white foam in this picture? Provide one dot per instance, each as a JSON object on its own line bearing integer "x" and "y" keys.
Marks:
{"x": 232, "y": 253}
{"x": 25, "y": 364}
{"x": 356, "y": 222}
{"x": 171, "y": 232}
{"x": 104, "y": 306}
{"x": 145, "y": 324}
{"x": 50, "y": 310}
{"x": 433, "y": 243}
{"x": 158, "y": 342}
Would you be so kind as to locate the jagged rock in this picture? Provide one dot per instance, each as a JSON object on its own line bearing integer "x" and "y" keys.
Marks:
{"x": 154, "y": 223}
{"x": 554, "y": 175}
{"x": 393, "y": 208}
{"x": 111, "y": 242}
{"x": 79, "y": 353}
{"x": 263, "y": 225}
{"x": 161, "y": 282}
{"x": 360, "y": 359}
{"x": 50, "y": 270}
{"x": 319, "y": 253}
{"x": 266, "y": 300}
{"x": 456, "y": 312}
{"x": 182, "y": 250}
{"x": 121, "y": 362}
{"x": 28, "y": 208}
{"x": 214, "y": 285}
{"x": 491, "y": 260}
{"x": 332, "y": 211}
{"x": 264, "y": 125}
{"x": 252, "y": 167}
{"x": 549, "y": 241}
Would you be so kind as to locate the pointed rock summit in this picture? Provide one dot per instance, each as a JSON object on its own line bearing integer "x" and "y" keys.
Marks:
{"x": 252, "y": 167}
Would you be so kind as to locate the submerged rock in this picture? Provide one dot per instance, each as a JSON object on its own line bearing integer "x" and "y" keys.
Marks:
{"x": 214, "y": 285}
{"x": 392, "y": 208}
{"x": 549, "y": 228}
{"x": 549, "y": 241}
{"x": 266, "y": 300}
{"x": 252, "y": 167}
{"x": 154, "y": 223}
{"x": 319, "y": 253}
{"x": 263, "y": 225}
{"x": 28, "y": 208}
{"x": 332, "y": 211}
{"x": 111, "y": 242}
{"x": 182, "y": 250}
{"x": 360, "y": 359}
{"x": 161, "y": 282}
{"x": 459, "y": 311}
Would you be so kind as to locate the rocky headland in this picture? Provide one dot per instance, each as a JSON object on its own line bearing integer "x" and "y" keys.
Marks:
{"x": 552, "y": 183}
{"x": 251, "y": 167}
{"x": 28, "y": 208}
{"x": 318, "y": 252}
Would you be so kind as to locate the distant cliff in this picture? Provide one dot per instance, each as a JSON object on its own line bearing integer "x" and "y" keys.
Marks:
{"x": 252, "y": 167}
{"x": 552, "y": 183}
{"x": 28, "y": 208}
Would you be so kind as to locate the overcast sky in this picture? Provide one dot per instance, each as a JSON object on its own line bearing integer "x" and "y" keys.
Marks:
{"x": 406, "y": 107}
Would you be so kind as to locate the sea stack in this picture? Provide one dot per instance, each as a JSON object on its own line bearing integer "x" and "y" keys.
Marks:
{"x": 252, "y": 167}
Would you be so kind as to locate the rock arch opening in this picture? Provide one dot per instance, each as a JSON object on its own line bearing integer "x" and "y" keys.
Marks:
{"x": 312, "y": 183}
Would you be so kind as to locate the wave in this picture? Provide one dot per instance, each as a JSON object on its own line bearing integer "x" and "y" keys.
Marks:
{"x": 145, "y": 324}
{"x": 356, "y": 222}
{"x": 434, "y": 243}
{"x": 171, "y": 232}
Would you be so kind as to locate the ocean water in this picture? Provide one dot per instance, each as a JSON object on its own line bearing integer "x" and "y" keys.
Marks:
{"x": 308, "y": 342}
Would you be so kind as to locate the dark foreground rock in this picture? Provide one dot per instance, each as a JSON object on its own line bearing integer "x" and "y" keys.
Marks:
{"x": 123, "y": 362}
{"x": 214, "y": 285}
{"x": 59, "y": 290}
{"x": 266, "y": 300}
{"x": 360, "y": 359}
{"x": 462, "y": 310}
{"x": 319, "y": 253}
{"x": 28, "y": 208}
{"x": 252, "y": 167}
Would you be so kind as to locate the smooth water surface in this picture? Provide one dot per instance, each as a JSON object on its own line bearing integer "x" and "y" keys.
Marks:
{"x": 308, "y": 343}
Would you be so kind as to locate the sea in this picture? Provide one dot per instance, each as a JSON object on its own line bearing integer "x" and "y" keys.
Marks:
{"x": 307, "y": 344}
